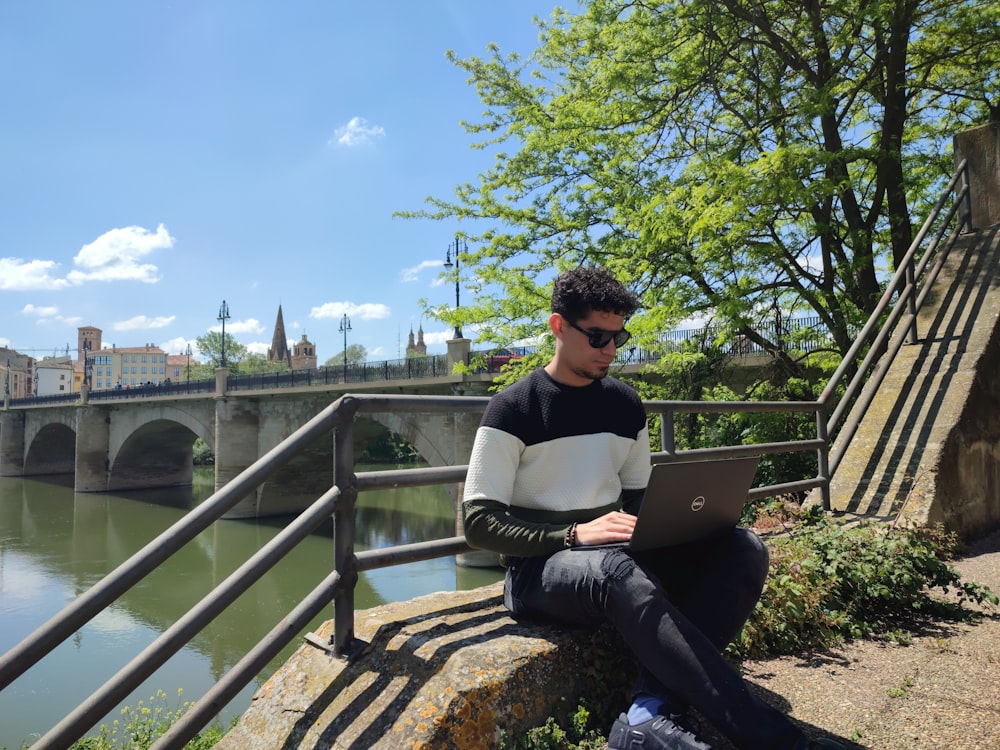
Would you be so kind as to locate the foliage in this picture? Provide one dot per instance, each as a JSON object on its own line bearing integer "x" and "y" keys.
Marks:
{"x": 356, "y": 354}
{"x": 728, "y": 160}
{"x": 139, "y": 727}
{"x": 580, "y": 734}
{"x": 389, "y": 448}
{"x": 831, "y": 582}
{"x": 210, "y": 347}
{"x": 202, "y": 454}
{"x": 253, "y": 364}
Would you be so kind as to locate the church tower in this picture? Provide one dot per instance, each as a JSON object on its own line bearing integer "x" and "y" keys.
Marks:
{"x": 279, "y": 351}
{"x": 304, "y": 355}
{"x": 418, "y": 348}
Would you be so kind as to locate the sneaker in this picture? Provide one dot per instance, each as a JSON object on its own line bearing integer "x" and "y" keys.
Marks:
{"x": 659, "y": 733}
{"x": 823, "y": 743}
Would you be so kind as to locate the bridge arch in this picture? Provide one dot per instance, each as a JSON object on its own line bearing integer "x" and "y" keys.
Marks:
{"x": 50, "y": 448}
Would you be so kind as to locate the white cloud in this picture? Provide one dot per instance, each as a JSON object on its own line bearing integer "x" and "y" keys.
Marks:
{"x": 257, "y": 347}
{"x": 18, "y": 275}
{"x": 357, "y": 132}
{"x": 41, "y": 312}
{"x": 250, "y": 325}
{"x": 439, "y": 337}
{"x": 115, "y": 256}
{"x": 179, "y": 345}
{"x": 141, "y": 323}
{"x": 5, "y": 342}
{"x": 411, "y": 274}
{"x": 367, "y": 311}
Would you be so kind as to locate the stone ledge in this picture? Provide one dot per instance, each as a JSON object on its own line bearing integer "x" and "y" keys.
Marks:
{"x": 446, "y": 670}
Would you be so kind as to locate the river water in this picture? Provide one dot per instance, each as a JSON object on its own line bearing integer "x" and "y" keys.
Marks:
{"x": 56, "y": 543}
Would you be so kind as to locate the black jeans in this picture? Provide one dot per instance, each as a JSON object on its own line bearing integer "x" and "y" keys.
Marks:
{"x": 677, "y": 609}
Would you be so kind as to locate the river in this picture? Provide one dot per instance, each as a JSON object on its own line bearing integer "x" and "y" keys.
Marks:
{"x": 56, "y": 543}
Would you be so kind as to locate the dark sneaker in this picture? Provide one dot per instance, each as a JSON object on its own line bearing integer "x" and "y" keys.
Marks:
{"x": 823, "y": 743}
{"x": 659, "y": 733}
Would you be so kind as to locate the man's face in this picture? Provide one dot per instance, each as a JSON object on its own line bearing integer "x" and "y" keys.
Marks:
{"x": 577, "y": 355}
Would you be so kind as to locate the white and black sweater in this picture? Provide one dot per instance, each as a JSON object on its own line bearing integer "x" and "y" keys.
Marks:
{"x": 547, "y": 455}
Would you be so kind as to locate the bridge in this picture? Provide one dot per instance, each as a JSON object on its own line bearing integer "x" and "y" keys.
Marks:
{"x": 138, "y": 438}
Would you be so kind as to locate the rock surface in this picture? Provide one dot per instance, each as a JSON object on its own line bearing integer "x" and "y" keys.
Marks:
{"x": 447, "y": 670}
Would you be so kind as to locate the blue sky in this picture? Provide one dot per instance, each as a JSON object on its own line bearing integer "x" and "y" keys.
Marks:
{"x": 157, "y": 158}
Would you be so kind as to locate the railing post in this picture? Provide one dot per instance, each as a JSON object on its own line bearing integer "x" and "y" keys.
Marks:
{"x": 667, "y": 440}
{"x": 911, "y": 302}
{"x": 344, "y": 561}
{"x": 823, "y": 457}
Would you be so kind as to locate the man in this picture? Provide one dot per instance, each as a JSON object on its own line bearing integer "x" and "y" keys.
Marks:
{"x": 559, "y": 465}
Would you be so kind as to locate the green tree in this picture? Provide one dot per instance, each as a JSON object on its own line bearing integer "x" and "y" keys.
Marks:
{"x": 738, "y": 160}
{"x": 356, "y": 354}
{"x": 210, "y": 347}
{"x": 254, "y": 363}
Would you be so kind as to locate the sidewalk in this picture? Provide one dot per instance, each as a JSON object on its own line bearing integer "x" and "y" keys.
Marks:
{"x": 940, "y": 691}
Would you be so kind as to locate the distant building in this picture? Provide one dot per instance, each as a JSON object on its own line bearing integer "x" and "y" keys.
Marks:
{"x": 16, "y": 373}
{"x": 54, "y": 376}
{"x": 117, "y": 367}
{"x": 304, "y": 355}
{"x": 416, "y": 348}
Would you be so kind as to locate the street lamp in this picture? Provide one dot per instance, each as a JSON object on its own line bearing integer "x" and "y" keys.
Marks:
{"x": 6, "y": 383}
{"x": 86, "y": 363}
{"x": 188, "y": 353}
{"x": 223, "y": 317}
{"x": 458, "y": 268}
{"x": 345, "y": 326}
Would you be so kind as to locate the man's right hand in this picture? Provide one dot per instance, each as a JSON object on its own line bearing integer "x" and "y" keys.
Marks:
{"x": 612, "y": 527}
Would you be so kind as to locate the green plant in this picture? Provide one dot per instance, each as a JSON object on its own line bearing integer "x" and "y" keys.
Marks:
{"x": 140, "y": 727}
{"x": 831, "y": 582}
{"x": 579, "y": 735}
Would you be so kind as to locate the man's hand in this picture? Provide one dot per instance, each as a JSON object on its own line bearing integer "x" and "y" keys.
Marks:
{"x": 611, "y": 527}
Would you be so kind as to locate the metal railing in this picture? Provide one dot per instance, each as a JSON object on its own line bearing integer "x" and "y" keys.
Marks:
{"x": 341, "y": 498}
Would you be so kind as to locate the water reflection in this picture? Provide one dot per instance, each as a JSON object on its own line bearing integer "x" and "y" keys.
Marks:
{"x": 55, "y": 544}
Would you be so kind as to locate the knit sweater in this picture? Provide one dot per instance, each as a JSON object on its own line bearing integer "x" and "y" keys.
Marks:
{"x": 547, "y": 455}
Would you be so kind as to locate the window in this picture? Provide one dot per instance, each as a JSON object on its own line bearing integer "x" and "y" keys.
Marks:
{"x": 177, "y": 372}
{"x": 143, "y": 357}
{"x": 143, "y": 368}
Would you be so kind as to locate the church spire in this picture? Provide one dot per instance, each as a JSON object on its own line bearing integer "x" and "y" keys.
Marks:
{"x": 279, "y": 351}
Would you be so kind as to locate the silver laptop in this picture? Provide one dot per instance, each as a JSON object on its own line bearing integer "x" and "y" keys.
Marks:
{"x": 690, "y": 501}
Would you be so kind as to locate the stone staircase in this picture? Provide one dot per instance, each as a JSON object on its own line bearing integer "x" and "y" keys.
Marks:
{"x": 928, "y": 448}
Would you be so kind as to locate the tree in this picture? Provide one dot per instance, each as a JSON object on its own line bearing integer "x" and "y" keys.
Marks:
{"x": 733, "y": 159}
{"x": 210, "y": 347}
{"x": 356, "y": 354}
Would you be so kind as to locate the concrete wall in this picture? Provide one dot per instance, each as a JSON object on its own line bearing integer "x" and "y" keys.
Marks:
{"x": 981, "y": 147}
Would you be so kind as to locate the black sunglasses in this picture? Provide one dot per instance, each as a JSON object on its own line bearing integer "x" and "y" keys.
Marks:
{"x": 600, "y": 339}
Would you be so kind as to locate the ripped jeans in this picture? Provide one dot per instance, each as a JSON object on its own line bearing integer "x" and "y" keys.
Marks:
{"x": 677, "y": 609}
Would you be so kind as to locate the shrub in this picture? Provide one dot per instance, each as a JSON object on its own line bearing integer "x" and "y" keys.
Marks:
{"x": 830, "y": 582}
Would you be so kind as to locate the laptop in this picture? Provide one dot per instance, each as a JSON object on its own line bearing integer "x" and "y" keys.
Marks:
{"x": 690, "y": 501}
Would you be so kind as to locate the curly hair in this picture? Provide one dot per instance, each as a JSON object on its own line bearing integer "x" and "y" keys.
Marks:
{"x": 577, "y": 293}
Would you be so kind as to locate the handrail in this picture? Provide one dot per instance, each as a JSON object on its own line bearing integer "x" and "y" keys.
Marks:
{"x": 340, "y": 499}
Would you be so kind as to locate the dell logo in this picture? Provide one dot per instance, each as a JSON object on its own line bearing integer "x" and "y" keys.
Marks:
{"x": 698, "y": 503}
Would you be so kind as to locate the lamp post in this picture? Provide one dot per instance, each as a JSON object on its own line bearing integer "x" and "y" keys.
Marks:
{"x": 345, "y": 326}
{"x": 460, "y": 244}
{"x": 86, "y": 363}
{"x": 223, "y": 317}
{"x": 6, "y": 383}
{"x": 188, "y": 353}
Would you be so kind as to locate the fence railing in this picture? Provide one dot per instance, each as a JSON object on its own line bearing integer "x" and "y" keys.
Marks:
{"x": 341, "y": 498}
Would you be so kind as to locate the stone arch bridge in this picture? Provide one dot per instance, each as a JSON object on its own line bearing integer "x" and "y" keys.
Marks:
{"x": 147, "y": 442}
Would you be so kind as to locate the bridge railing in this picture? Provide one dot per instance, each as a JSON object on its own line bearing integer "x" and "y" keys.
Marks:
{"x": 340, "y": 500}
